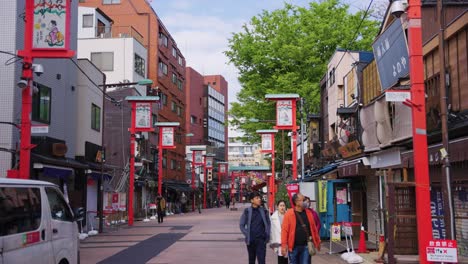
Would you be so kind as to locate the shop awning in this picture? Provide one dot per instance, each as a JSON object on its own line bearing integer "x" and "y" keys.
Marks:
{"x": 54, "y": 171}
{"x": 356, "y": 167}
{"x": 96, "y": 175}
{"x": 316, "y": 174}
{"x": 178, "y": 187}
{"x": 62, "y": 162}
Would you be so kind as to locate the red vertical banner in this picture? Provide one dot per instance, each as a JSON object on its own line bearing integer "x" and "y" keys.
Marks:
{"x": 292, "y": 188}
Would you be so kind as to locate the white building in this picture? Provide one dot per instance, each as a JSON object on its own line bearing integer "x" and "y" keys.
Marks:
{"x": 241, "y": 153}
{"x": 121, "y": 57}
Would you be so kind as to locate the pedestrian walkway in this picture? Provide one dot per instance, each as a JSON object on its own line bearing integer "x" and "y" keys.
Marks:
{"x": 210, "y": 237}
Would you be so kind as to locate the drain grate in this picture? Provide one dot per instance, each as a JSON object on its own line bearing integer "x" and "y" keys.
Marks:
{"x": 181, "y": 227}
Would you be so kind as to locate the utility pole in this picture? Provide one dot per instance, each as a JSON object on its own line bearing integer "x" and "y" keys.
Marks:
{"x": 446, "y": 174}
{"x": 302, "y": 138}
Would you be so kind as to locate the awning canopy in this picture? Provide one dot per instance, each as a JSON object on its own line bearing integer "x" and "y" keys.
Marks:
{"x": 54, "y": 171}
{"x": 356, "y": 167}
{"x": 316, "y": 174}
{"x": 178, "y": 187}
{"x": 62, "y": 162}
{"x": 96, "y": 175}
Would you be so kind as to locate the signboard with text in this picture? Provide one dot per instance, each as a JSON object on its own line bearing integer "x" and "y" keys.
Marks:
{"x": 266, "y": 142}
{"x": 167, "y": 137}
{"x": 222, "y": 168}
{"x": 391, "y": 55}
{"x": 209, "y": 162}
{"x": 51, "y": 24}
{"x": 143, "y": 115}
{"x": 198, "y": 154}
{"x": 442, "y": 251}
{"x": 284, "y": 114}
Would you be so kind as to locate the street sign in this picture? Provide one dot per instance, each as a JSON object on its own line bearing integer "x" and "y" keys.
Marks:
{"x": 288, "y": 162}
{"x": 39, "y": 129}
{"x": 397, "y": 96}
{"x": 391, "y": 55}
{"x": 442, "y": 251}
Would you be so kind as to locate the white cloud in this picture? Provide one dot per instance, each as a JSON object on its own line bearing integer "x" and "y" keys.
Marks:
{"x": 181, "y": 5}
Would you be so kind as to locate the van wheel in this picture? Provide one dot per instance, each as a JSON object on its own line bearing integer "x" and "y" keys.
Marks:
{"x": 63, "y": 261}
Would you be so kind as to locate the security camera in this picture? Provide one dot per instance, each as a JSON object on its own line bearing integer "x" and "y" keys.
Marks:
{"x": 38, "y": 69}
{"x": 398, "y": 7}
{"x": 23, "y": 83}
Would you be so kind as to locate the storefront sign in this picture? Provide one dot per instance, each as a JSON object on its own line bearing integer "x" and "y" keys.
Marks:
{"x": 391, "y": 55}
{"x": 385, "y": 159}
{"x": 322, "y": 201}
{"x": 442, "y": 251}
{"x": 397, "y": 96}
{"x": 167, "y": 136}
{"x": 437, "y": 212}
{"x": 350, "y": 149}
{"x": 51, "y": 24}
{"x": 143, "y": 115}
{"x": 266, "y": 142}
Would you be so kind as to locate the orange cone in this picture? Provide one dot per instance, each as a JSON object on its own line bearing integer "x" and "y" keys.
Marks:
{"x": 362, "y": 242}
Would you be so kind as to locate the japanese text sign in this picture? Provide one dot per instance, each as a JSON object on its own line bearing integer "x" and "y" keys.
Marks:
{"x": 222, "y": 168}
{"x": 391, "y": 55}
{"x": 143, "y": 115}
{"x": 209, "y": 162}
{"x": 167, "y": 136}
{"x": 442, "y": 251}
{"x": 198, "y": 157}
{"x": 266, "y": 142}
{"x": 51, "y": 24}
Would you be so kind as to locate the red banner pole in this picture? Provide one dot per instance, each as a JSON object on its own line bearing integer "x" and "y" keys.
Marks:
{"x": 132, "y": 165}
{"x": 160, "y": 163}
{"x": 421, "y": 165}
{"x": 272, "y": 179}
{"x": 220, "y": 176}
{"x": 232, "y": 184}
{"x": 294, "y": 141}
{"x": 193, "y": 180}
{"x": 204, "y": 183}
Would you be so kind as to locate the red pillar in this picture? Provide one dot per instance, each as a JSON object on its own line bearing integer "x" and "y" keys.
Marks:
{"x": 232, "y": 185}
{"x": 272, "y": 178}
{"x": 294, "y": 151}
{"x": 193, "y": 180}
{"x": 204, "y": 182}
{"x": 160, "y": 163}
{"x": 132, "y": 167}
{"x": 421, "y": 166}
{"x": 220, "y": 176}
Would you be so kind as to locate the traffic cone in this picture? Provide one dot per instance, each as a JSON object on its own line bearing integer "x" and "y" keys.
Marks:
{"x": 362, "y": 242}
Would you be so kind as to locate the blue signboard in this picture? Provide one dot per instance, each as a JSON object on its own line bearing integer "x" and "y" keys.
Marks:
{"x": 391, "y": 55}
{"x": 437, "y": 211}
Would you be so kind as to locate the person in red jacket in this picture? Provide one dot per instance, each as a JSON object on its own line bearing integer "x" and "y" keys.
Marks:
{"x": 314, "y": 213}
{"x": 295, "y": 232}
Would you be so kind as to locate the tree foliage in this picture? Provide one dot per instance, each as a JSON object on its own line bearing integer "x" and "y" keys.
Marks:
{"x": 287, "y": 51}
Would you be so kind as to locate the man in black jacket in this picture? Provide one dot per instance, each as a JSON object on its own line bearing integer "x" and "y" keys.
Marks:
{"x": 255, "y": 225}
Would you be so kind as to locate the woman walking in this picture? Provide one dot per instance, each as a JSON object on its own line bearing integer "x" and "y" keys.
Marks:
{"x": 275, "y": 237}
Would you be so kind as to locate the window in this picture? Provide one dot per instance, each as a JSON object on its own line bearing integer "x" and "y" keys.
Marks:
{"x": 179, "y": 84}
{"x": 103, "y": 60}
{"x": 174, "y": 78}
{"x": 173, "y": 165}
{"x": 162, "y": 39}
{"x": 140, "y": 65}
{"x": 179, "y": 111}
{"x": 110, "y": 2}
{"x": 95, "y": 117}
{"x": 174, "y": 52}
{"x": 20, "y": 210}
{"x": 163, "y": 98}
{"x": 41, "y": 104}
{"x": 164, "y": 165}
{"x": 162, "y": 68}
{"x": 193, "y": 119}
{"x": 58, "y": 206}
{"x": 173, "y": 107}
{"x": 88, "y": 21}
{"x": 180, "y": 61}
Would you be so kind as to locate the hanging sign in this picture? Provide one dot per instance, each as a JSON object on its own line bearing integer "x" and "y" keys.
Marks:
{"x": 284, "y": 114}
{"x": 167, "y": 137}
{"x": 51, "y": 24}
{"x": 143, "y": 115}
{"x": 222, "y": 168}
{"x": 266, "y": 143}
{"x": 198, "y": 154}
{"x": 209, "y": 162}
{"x": 322, "y": 202}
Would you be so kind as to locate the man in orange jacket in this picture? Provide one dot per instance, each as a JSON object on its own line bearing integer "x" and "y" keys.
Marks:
{"x": 295, "y": 232}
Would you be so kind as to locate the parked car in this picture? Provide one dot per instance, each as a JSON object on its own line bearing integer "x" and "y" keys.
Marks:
{"x": 37, "y": 225}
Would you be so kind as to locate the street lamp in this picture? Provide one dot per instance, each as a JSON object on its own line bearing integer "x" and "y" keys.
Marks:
{"x": 166, "y": 141}
{"x": 286, "y": 120}
{"x": 207, "y": 165}
{"x": 141, "y": 121}
{"x": 197, "y": 159}
{"x": 268, "y": 146}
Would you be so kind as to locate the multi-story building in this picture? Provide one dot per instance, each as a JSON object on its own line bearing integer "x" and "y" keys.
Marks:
{"x": 165, "y": 65}
{"x": 241, "y": 153}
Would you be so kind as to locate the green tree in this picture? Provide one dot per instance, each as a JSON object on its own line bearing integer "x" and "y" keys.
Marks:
{"x": 287, "y": 51}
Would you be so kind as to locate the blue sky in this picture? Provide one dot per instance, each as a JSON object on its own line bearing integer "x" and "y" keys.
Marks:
{"x": 201, "y": 29}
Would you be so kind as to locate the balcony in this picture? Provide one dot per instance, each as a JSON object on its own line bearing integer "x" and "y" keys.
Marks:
{"x": 118, "y": 32}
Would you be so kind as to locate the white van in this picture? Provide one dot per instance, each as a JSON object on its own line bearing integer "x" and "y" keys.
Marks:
{"x": 36, "y": 224}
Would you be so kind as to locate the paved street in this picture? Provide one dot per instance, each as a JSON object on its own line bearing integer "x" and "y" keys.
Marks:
{"x": 210, "y": 237}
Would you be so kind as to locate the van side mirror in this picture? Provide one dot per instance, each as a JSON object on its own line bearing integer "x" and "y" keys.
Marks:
{"x": 79, "y": 214}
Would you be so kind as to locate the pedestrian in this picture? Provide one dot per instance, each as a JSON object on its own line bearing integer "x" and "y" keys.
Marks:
{"x": 199, "y": 203}
{"x": 275, "y": 237}
{"x": 255, "y": 225}
{"x": 228, "y": 201}
{"x": 161, "y": 208}
{"x": 314, "y": 213}
{"x": 297, "y": 230}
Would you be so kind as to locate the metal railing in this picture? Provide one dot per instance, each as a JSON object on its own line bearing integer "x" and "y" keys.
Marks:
{"x": 118, "y": 32}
